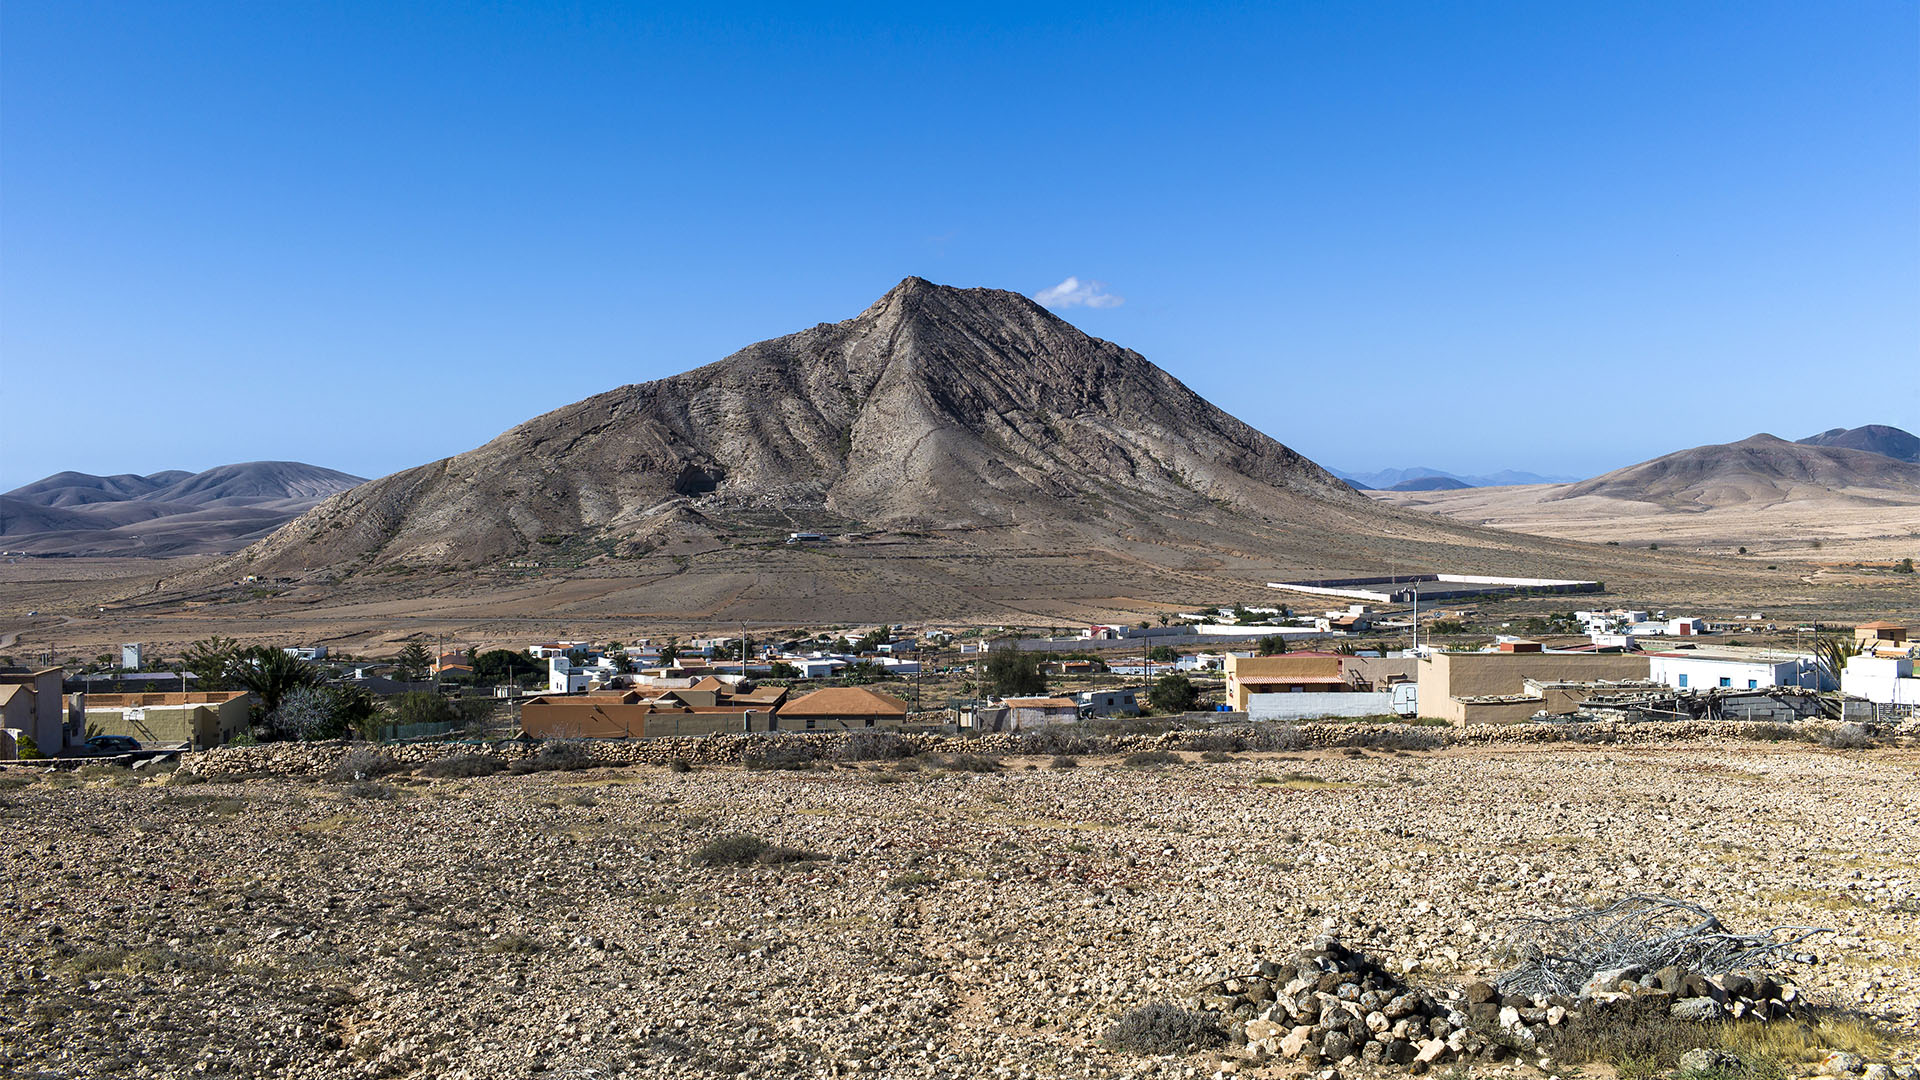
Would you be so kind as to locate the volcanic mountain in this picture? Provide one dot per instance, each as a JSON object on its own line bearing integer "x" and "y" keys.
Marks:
{"x": 1873, "y": 438}
{"x": 163, "y": 513}
{"x": 937, "y": 439}
{"x": 1762, "y": 470}
{"x": 1761, "y": 494}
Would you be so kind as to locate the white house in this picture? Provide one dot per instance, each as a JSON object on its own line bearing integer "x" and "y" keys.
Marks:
{"x": 1686, "y": 627}
{"x": 1882, "y": 680}
{"x": 564, "y": 678}
{"x": 1709, "y": 671}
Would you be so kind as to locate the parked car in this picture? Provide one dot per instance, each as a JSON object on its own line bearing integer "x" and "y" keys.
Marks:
{"x": 111, "y": 744}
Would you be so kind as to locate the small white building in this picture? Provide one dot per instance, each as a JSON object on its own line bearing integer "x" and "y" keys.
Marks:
{"x": 564, "y": 678}
{"x": 1883, "y": 680}
{"x": 1108, "y": 702}
{"x": 1709, "y": 671}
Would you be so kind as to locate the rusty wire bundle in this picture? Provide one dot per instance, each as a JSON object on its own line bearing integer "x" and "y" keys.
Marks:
{"x": 1559, "y": 954}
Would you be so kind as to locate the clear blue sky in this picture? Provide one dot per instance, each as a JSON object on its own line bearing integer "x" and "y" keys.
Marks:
{"x": 1556, "y": 237}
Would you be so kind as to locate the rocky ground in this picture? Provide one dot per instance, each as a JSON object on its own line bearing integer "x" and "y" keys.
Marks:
{"x": 954, "y": 923}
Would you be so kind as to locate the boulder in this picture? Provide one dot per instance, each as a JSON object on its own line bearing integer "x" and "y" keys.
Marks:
{"x": 1699, "y": 1010}
{"x": 1704, "y": 1059}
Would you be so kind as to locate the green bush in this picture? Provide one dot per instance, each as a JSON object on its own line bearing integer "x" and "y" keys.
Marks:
{"x": 28, "y": 749}
{"x": 1173, "y": 693}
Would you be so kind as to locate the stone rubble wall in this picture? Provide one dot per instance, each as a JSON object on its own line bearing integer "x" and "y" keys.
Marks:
{"x": 320, "y": 759}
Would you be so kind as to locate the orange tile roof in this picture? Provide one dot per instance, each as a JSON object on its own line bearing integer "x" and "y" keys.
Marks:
{"x": 845, "y": 701}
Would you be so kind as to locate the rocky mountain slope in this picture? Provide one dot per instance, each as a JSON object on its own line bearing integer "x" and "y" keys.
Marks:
{"x": 967, "y": 454}
{"x": 935, "y": 409}
{"x": 1873, "y": 438}
{"x": 164, "y": 513}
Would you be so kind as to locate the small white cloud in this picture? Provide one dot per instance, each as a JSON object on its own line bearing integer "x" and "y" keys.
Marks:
{"x": 1076, "y": 293}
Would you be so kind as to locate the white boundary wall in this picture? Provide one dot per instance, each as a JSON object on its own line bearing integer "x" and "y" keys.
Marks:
{"x": 1312, "y": 706}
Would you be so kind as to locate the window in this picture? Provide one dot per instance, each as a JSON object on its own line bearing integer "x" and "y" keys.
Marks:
{"x": 869, "y": 721}
{"x": 1753, "y": 684}
{"x": 1725, "y": 681}
{"x": 1683, "y": 682}
{"x": 809, "y": 723}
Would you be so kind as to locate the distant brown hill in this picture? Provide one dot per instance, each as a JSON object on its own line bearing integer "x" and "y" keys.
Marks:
{"x": 962, "y": 449}
{"x": 1761, "y": 470}
{"x": 1873, "y": 438}
{"x": 164, "y": 513}
{"x": 1762, "y": 495}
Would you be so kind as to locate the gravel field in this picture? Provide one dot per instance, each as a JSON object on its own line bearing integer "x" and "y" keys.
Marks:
{"x": 953, "y": 924}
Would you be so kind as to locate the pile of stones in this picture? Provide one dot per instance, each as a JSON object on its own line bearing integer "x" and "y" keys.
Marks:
{"x": 1332, "y": 1005}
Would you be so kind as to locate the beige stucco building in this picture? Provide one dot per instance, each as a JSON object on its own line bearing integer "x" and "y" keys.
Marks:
{"x": 1297, "y": 673}
{"x": 1483, "y": 688}
{"x": 197, "y": 718}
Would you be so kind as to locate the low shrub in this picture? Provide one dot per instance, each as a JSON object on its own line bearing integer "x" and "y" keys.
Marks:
{"x": 1215, "y": 742}
{"x": 1064, "y": 761}
{"x": 872, "y": 746}
{"x": 784, "y": 757}
{"x": 1849, "y": 737}
{"x": 912, "y": 879}
{"x": 367, "y": 764}
{"x": 463, "y": 766}
{"x": 1163, "y": 1028}
{"x": 1216, "y": 757}
{"x": 368, "y": 789}
{"x": 1773, "y": 733}
{"x": 1274, "y": 737}
{"x": 1634, "y": 1037}
{"x": 679, "y": 765}
{"x": 744, "y": 849}
{"x": 563, "y": 755}
{"x": 972, "y": 763}
{"x": 1148, "y": 759}
{"x": 1059, "y": 739}
{"x": 1393, "y": 739}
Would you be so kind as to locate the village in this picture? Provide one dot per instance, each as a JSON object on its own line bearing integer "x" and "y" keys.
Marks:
{"x": 1435, "y": 650}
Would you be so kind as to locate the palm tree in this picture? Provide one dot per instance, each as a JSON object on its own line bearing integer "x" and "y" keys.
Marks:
{"x": 1831, "y": 652}
{"x": 270, "y": 673}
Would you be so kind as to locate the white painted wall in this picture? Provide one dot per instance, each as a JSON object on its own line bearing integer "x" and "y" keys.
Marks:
{"x": 1312, "y": 706}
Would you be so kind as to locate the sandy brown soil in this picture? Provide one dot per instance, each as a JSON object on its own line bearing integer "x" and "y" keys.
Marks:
{"x": 986, "y": 581}
{"x": 1838, "y": 529}
{"x": 955, "y": 924}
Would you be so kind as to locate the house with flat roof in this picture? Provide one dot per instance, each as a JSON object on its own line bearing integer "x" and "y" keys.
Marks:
{"x": 31, "y": 705}
{"x": 1491, "y": 687}
{"x": 1707, "y": 669}
{"x": 198, "y": 719}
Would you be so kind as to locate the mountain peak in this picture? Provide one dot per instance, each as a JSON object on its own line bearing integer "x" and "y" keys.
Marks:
{"x": 935, "y": 408}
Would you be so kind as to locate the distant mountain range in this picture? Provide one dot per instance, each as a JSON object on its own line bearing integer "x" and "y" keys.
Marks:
{"x": 1762, "y": 470}
{"x": 1392, "y": 479}
{"x": 164, "y": 513}
{"x": 1873, "y": 438}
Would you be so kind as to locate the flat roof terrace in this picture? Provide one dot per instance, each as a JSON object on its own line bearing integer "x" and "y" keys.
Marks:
{"x": 1404, "y": 588}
